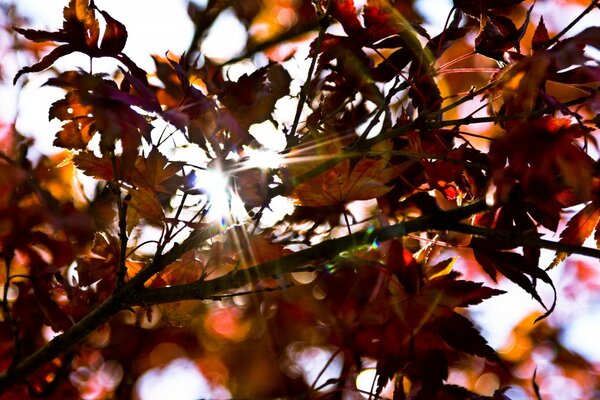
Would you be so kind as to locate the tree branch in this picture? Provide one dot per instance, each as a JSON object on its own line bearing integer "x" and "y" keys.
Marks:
{"x": 101, "y": 314}
{"x": 319, "y": 253}
{"x": 514, "y": 238}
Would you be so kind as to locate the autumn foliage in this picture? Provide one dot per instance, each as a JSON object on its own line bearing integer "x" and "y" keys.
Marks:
{"x": 419, "y": 172}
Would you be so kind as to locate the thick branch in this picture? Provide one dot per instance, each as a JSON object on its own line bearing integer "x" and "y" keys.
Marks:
{"x": 319, "y": 253}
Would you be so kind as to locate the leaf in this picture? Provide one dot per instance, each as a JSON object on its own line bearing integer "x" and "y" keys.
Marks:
{"x": 144, "y": 204}
{"x": 76, "y": 134}
{"x": 532, "y": 154}
{"x": 111, "y": 114}
{"x": 345, "y": 12}
{"x": 252, "y": 98}
{"x": 45, "y": 62}
{"x": 405, "y": 268}
{"x": 383, "y": 20}
{"x": 151, "y": 171}
{"x": 476, "y": 7}
{"x": 80, "y": 32}
{"x": 540, "y": 36}
{"x": 459, "y": 293}
{"x": 514, "y": 267}
{"x": 344, "y": 182}
{"x": 498, "y": 35}
{"x": 460, "y": 334}
{"x": 101, "y": 263}
{"x": 579, "y": 228}
{"x": 188, "y": 268}
{"x": 115, "y": 35}
{"x": 97, "y": 167}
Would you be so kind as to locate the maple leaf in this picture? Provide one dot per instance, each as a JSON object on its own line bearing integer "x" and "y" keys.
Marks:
{"x": 514, "y": 267}
{"x": 96, "y": 167}
{"x": 81, "y": 32}
{"x": 579, "y": 228}
{"x": 459, "y": 333}
{"x": 458, "y": 293}
{"x": 94, "y": 104}
{"x": 498, "y": 35}
{"x": 345, "y": 182}
{"x": 542, "y": 156}
{"x": 153, "y": 170}
{"x": 188, "y": 268}
{"x": 252, "y": 185}
{"x": 100, "y": 265}
{"x": 540, "y": 36}
{"x": 252, "y": 98}
{"x": 144, "y": 204}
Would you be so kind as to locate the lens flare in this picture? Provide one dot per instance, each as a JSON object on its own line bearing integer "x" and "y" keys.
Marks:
{"x": 263, "y": 159}
{"x": 223, "y": 203}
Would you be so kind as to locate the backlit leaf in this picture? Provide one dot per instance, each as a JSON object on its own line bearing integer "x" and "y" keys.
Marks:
{"x": 579, "y": 228}
{"x": 345, "y": 182}
{"x": 144, "y": 204}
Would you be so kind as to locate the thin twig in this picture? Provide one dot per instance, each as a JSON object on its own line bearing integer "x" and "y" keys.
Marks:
{"x": 560, "y": 34}
{"x": 324, "y": 24}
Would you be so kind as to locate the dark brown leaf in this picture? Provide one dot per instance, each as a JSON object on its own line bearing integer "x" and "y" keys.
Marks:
{"x": 540, "y": 36}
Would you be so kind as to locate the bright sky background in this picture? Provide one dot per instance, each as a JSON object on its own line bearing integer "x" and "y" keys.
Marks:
{"x": 158, "y": 26}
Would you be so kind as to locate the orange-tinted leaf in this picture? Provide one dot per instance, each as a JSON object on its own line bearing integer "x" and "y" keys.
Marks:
{"x": 99, "y": 168}
{"x": 151, "y": 171}
{"x": 80, "y": 23}
{"x": 144, "y": 204}
{"x": 344, "y": 182}
{"x": 186, "y": 269}
{"x": 579, "y": 228}
{"x": 102, "y": 261}
{"x": 76, "y": 134}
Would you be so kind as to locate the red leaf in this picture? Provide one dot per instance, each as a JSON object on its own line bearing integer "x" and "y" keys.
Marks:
{"x": 459, "y": 333}
{"x": 345, "y": 12}
{"x": 498, "y": 35}
{"x": 115, "y": 35}
{"x": 540, "y": 37}
{"x": 516, "y": 268}
{"x": 382, "y": 20}
{"x": 458, "y": 293}
{"x": 579, "y": 228}
{"x": 252, "y": 98}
